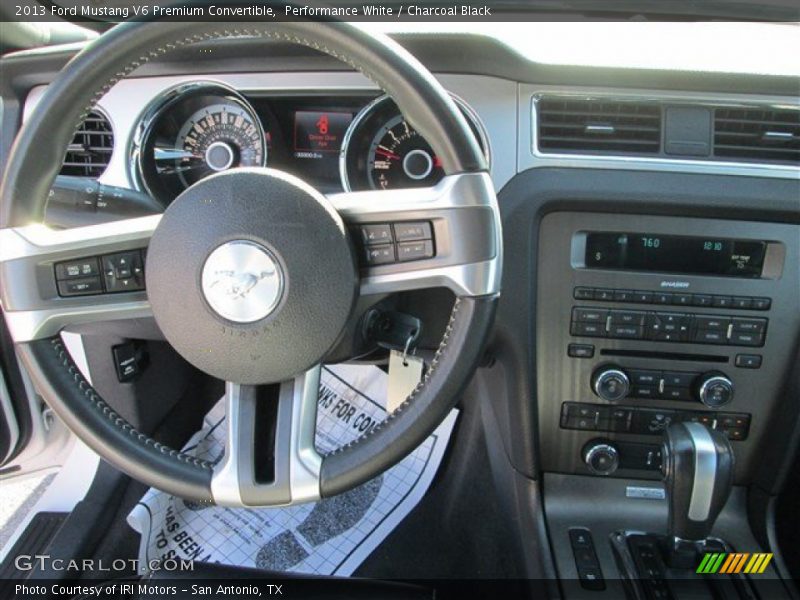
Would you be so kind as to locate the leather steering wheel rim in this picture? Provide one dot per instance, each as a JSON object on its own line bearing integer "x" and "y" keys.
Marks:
{"x": 33, "y": 165}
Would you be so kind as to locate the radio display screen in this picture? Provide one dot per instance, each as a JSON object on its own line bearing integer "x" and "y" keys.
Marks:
{"x": 675, "y": 254}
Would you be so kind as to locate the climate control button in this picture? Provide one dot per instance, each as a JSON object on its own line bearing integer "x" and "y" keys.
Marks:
{"x": 602, "y": 458}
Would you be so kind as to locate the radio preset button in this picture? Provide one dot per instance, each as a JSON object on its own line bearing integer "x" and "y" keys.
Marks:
{"x": 701, "y": 300}
{"x": 722, "y": 302}
{"x": 662, "y": 298}
{"x": 603, "y": 294}
{"x": 642, "y": 297}
{"x": 682, "y": 299}
{"x": 762, "y": 303}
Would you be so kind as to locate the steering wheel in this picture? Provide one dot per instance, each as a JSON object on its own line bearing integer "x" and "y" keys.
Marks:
{"x": 251, "y": 275}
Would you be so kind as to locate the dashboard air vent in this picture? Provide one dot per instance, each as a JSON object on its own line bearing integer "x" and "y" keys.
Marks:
{"x": 757, "y": 134}
{"x": 598, "y": 125}
{"x": 90, "y": 151}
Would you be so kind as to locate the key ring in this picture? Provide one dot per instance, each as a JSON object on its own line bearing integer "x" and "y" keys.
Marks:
{"x": 409, "y": 341}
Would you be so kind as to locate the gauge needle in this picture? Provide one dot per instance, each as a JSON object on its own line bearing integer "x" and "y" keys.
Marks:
{"x": 173, "y": 154}
{"x": 182, "y": 169}
{"x": 385, "y": 153}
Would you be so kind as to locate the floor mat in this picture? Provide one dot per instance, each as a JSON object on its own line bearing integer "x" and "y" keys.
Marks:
{"x": 330, "y": 537}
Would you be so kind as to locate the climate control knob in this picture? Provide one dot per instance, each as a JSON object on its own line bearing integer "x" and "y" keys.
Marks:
{"x": 715, "y": 389}
{"x": 611, "y": 383}
{"x": 602, "y": 458}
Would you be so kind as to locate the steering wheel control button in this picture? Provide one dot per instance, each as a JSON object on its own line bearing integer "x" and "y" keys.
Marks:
{"x": 376, "y": 234}
{"x": 87, "y": 267}
{"x": 387, "y": 243}
{"x": 407, "y": 232}
{"x": 252, "y": 275}
{"x": 80, "y": 287}
{"x": 380, "y": 255}
{"x": 414, "y": 250}
{"x": 123, "y": 272}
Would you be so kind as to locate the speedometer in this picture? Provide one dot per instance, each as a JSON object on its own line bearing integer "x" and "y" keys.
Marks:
{"x": 382, "y": 150}
{"x": 193, "y": 131}
{"x": 217, "y": 138}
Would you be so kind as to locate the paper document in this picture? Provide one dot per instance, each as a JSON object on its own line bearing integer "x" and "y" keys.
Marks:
{"x": 329, "y": 537}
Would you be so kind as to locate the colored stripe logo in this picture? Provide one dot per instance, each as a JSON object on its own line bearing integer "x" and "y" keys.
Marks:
{"x": 734, "y": 562}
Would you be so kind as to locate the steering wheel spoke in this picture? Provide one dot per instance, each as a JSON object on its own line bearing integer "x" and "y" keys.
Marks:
{"x": 41, "y": 298}
{"x": 463, "y": 251}
{"x": 270, "y": 458}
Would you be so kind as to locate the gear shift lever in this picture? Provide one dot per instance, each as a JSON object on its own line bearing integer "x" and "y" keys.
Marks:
{"x": 698, "y": 475}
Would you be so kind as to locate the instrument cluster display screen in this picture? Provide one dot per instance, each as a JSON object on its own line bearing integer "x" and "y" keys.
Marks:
{"x": 675, "y": 254}
{"x": 317, "y": 131}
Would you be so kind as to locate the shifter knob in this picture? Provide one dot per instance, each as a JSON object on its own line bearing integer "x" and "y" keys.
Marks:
{"x": 698, "y": 474}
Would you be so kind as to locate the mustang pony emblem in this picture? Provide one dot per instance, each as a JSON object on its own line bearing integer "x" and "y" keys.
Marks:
{"x": 238, "y": 285}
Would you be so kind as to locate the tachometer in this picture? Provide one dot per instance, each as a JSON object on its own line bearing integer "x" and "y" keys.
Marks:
{"x": 382, "y": 150}
{"x": 400, "y": 157}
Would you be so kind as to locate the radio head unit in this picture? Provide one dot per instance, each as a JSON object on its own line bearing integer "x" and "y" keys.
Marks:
{"x": 691, "y": 255}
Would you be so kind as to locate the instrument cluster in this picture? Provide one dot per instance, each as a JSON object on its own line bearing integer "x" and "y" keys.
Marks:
{"x": 348, "y": 142}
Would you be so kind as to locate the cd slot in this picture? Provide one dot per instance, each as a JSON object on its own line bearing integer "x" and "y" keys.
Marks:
{"x": 712, "y": 358}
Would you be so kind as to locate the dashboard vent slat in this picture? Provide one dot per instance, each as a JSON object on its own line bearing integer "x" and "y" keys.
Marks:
{"x": 90, "y": 151}
{"x": 757, "y": 134}
{"x": 598, "y": 125}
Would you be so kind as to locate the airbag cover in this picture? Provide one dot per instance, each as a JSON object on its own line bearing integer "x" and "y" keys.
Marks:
{"x": 251, "y": 275}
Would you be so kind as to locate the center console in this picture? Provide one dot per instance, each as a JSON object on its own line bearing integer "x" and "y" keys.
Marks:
{"x": 646, "y": 327}
{"x": 644, "y": 321}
